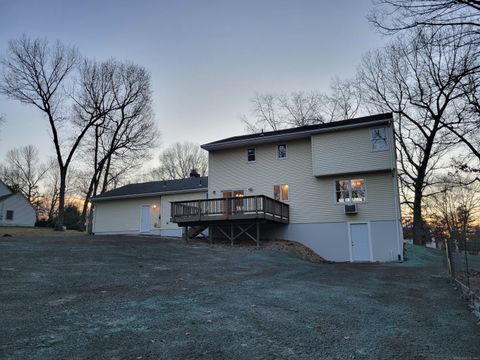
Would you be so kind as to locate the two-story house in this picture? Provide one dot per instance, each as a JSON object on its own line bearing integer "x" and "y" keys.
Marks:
{"x": 332, "y": 187}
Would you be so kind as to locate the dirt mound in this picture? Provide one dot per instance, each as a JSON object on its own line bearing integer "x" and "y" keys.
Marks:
{"x": 288, "y": 246}
{"x": 294, "y": 248}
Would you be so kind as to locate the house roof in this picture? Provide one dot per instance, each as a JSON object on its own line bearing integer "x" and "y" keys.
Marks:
{"x": 188, "y": 185}
{"x": 4, "y": 197}
{"x": 298, "y": 132}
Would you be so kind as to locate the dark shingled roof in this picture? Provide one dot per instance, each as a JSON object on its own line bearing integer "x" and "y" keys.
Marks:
{"x": 3, "y": 197}
{"x": 308, "y": 128}
{"x": 156, "y": 188}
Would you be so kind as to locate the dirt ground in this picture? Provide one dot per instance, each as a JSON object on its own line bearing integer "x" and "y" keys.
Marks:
{"x": 147, "y": 298}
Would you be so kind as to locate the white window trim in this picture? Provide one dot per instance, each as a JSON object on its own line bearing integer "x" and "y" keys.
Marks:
{"x": 255, "y": 149}
{"x": 286, "y": 152}
{"x": 386, "y": 137}
{"x": 350, "y": 191}
{"x": 280, "y": 185}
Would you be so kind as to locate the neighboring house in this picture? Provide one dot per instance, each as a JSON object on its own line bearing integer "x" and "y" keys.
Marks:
{"x": 332, "y": 187}
{"x": 144, "y": 208}
{"x": 15, "y": 209}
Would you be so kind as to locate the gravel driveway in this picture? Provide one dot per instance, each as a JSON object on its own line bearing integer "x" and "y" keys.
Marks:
{"x": 141, "y": 298}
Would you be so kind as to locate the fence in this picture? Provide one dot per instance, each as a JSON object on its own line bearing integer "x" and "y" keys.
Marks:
{"x": 463, "y": 263}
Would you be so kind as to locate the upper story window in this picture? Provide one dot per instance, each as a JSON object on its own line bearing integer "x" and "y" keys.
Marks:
{"x": 282, "y": 151}
{"x": 280, "y": 192}
{"x": 9, "y": 215}
{"x": 251, "y": 155}
{"x": 379, "y": 139}
{"x": 350, "y": 190}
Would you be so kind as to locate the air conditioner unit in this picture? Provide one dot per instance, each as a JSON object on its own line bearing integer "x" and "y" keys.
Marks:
{"x": 351, "y": 209}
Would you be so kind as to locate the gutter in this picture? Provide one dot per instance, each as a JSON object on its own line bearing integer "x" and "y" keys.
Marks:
{"x": 292, "y": 136}
{"x": 142, "y": 195}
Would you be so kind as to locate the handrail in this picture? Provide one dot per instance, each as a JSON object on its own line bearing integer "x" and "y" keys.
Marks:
{"x": 250, "y": 206}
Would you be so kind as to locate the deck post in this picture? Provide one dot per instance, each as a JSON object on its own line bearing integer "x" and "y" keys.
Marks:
{"x": 210, "y": 234}
{"x": 185, "y": 233}
{"x": 231, "y": 233}
{"x": 258, "y": 235}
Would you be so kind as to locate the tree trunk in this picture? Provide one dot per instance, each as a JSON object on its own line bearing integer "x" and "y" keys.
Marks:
{"x": 61, "y": 200}
{"x": 105, "y": 178}
{"x": 418, "y": 229}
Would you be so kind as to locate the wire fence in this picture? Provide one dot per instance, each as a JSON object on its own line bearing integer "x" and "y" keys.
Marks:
{"x": 463, "y": 262}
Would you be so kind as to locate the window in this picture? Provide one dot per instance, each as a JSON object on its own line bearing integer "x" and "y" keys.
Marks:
{"x": 378, "y": 137}
{"x": 251, "y": 155}
{"x": 233, "y": 204}
{"x": 280, "y": 192}
{"x": 9, "y": 215}
{"x": 282, "y": 151}
{"x": 352, "y": 190}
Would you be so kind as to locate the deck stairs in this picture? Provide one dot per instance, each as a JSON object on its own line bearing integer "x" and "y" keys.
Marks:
{"x": 194, "y": 231}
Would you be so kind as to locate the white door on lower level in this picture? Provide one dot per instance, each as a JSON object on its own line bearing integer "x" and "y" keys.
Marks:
{"x": 145, "y": 219}
{"x": 360, "y": 242}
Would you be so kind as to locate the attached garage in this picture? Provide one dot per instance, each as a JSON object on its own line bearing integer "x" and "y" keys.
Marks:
{"x": 144, "y": 208}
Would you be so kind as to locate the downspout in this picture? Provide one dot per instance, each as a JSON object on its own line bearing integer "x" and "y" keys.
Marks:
{"x": 396, "y": 195}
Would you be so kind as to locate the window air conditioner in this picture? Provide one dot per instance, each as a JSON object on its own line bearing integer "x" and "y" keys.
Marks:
{"x": 351, "y": 209}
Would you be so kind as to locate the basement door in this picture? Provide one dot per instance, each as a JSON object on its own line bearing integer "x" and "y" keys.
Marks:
{"x": 360, "y": 242}
{"x": 145, "y": 219}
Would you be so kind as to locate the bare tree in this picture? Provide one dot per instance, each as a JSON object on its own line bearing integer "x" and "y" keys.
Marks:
{"x": 24, "y": 171}
{"x": 454, "y": 210}
{"x": 50, "y": 193}
{"x": 125, "y": 135}
{"x": 419, "y": 80}
{"x": 38, "y": 74}
{"x": 392, "y": 16}
{"x": 179, "y": 159}
{"x": 344, "y": 101}
{"x": 273, "y": 111}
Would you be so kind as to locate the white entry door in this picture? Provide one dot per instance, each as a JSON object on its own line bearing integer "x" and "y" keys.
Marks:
{"x": 360, "y": 242}
{"x": 145, "y": 219}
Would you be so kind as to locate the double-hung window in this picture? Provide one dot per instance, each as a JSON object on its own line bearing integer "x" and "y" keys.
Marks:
{"x": 9, "y": 215}
{"x": 379, "y": 139}
{"x": 280, "y": 192}
{"x": 350, "y": 190}
{"x": 251, "y": 155}
{"x": 281, "y": 151}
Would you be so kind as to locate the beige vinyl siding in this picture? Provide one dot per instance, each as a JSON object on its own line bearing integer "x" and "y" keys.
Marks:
{"x": 23, "y": 212}
{"x": 124, "y": 216}
{"x": 311, "y": 199}
{"x": 166, "y": 206}
{"x": 349, "y": 151}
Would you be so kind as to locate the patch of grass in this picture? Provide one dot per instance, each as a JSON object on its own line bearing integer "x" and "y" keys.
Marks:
{"x": 421, "y": 255}
{"x": 36, "y": 231}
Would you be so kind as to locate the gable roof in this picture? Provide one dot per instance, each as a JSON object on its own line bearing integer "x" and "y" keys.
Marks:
{"x": 4, "y": 197}
{"x": 298, "y": 132}
{"x": 192, "y": 184}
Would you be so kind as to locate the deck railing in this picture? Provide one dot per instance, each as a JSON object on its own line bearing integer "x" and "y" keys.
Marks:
{"x": 246, "y": 207}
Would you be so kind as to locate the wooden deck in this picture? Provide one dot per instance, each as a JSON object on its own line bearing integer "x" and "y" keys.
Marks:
{"x": 233, "y": 209}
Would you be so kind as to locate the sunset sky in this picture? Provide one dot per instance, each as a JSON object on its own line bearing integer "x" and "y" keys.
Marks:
{"x": 207, "y": 58}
